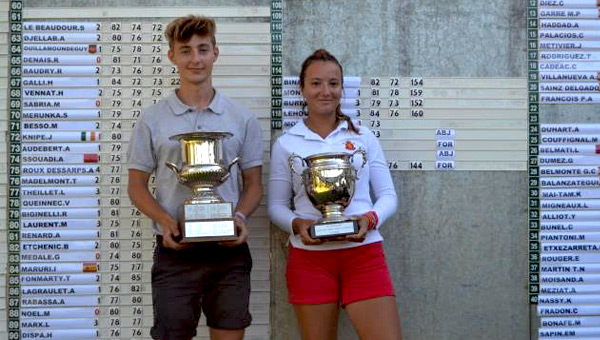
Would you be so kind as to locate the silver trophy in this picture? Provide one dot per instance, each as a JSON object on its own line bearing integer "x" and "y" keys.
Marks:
{"x": 329, "y": 180}
{"x": 205, "y": 216}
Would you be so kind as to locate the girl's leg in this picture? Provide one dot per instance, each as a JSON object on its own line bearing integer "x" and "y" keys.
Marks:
{"x": 317, "y": 322}
{"x": 375, "y": 319}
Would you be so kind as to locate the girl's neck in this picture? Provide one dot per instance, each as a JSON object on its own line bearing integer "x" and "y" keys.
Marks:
{"x": 321, "y": 125}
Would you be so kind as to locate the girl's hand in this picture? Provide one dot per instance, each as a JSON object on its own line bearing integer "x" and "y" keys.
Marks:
{"x": 301, "y": 227}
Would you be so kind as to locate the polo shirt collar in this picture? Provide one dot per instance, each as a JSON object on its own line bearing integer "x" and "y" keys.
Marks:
{"x": 301, "y": 129}
{"x": 217, "y": 104}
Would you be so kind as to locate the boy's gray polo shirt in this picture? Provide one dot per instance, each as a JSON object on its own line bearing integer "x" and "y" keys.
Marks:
{"x": 150, "y": 147}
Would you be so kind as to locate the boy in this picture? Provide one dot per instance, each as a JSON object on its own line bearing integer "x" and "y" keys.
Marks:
{"x": 190, "y": 278}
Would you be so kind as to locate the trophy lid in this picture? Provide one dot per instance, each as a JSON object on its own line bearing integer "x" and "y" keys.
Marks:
{"x": 201, "y": 135}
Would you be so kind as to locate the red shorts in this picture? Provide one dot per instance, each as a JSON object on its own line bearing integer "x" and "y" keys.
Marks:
{"x": 353, "y": 274}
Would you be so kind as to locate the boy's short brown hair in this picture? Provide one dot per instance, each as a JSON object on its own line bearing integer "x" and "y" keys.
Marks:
{"x": 182, "y": 29}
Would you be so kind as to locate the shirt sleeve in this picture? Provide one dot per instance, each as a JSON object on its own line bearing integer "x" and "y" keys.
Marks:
{"x": 252, "y": 146}
{"x": 279, "y": 191}
{"x": 381, "y": 183}
{"x": 140, "y": 153}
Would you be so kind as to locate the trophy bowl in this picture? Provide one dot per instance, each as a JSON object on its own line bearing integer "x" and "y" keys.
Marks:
{"x": 205, "y": 216}
{"x": 329, "y": 181}
{"x": 206, "y": 174}
{"x": 202, "y": 178}
{"x": 331, "y": 184}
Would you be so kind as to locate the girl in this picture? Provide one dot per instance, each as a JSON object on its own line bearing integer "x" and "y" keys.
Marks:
{"x": 350, "y": 272}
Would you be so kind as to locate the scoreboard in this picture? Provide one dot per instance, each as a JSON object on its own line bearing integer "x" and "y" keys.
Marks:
{"x": 76, "y": 254}
{"x": 564, "y": 219}
{"x": 434, "y": 123}
{"x": 79, "y": 253}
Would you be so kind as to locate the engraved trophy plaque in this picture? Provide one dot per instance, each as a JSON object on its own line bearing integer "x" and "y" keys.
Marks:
{"x": 329, "y": 180}
{"x": 205, "y": 216}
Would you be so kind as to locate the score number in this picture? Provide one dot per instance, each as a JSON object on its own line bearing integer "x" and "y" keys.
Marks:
{"x": 415, "y": 165}
{"x": 412, "y": 165}
{"x": 416, "y": 97}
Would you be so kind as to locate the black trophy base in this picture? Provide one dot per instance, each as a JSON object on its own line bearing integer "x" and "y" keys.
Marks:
{"x": 209, "y": 230}
{"x": 327, "y": 230}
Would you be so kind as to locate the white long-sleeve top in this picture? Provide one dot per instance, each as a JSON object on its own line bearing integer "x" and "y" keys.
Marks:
{"x": 284, "y": 186}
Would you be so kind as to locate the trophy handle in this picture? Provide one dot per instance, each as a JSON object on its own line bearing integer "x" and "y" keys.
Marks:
{"x": 291, "y": 162}
{"x": 175, "y": 169}
{"x": 363, "y": 154}
{"x": 235, "y": 160}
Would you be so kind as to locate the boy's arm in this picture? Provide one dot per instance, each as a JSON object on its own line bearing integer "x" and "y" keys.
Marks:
{"x": 140, "y": 196}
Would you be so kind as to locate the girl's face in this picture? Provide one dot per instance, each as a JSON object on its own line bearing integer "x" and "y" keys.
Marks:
{"x": 322, "y": 87}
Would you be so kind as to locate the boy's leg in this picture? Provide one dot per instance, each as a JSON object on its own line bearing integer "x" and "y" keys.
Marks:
{"x": 226, "y": 334}
{"x": 175, "y": 295}
{"x": 226, "y": 295}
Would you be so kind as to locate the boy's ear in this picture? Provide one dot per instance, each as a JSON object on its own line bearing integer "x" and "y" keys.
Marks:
{"x": 216, "y": 52}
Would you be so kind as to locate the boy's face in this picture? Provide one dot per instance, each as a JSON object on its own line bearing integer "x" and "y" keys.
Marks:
{"x": 194, "y": 59}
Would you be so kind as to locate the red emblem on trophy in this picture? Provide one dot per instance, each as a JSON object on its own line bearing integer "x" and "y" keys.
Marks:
{"x": 350, "y": 146}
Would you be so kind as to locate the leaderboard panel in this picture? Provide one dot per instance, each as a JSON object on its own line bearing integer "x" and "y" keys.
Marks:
{"x": 564, "y": 196}
{"x": 4, "y": 165}
{"x": 434, "y": 123}
{"x": 80, "y": 252}
{"x": 569, "y": 233}
{"x": 568, "y": 51}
